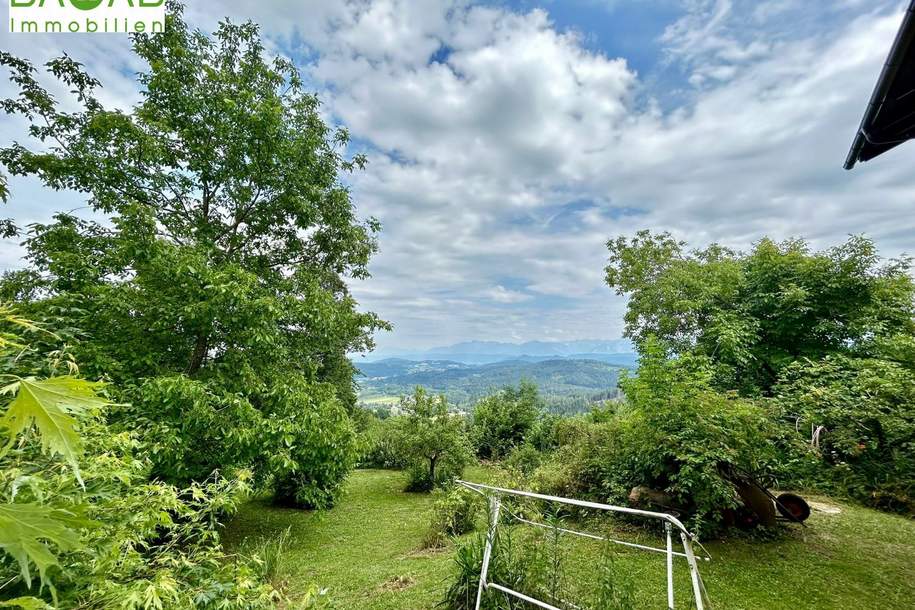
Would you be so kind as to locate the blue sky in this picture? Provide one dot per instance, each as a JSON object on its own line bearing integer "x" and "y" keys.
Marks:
{"x": 509, "y": 140}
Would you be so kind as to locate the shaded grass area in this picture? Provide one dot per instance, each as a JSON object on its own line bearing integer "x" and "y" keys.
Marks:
{"x": 366, "y": 552}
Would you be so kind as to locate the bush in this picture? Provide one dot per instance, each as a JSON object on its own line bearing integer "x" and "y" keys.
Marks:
{"x": 524, "y": 458}
{"x": 563, "y": 473}
{"x": 194, "y": 428}
{"x": 542, "y": 434}
{"x": 859, "y": 417}
{"x": 675, "y": 435}
{"x": 381, "y": 445}
{"x": 503, "y": 420}
{"x": 454, "y": 513}
{"x": 77, "y": 504}
{"x": 318, "y": 444}
{"x": 678, "y": 435}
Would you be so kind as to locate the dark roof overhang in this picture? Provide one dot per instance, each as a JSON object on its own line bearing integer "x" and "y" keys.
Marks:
{"x": 890, "y": 116}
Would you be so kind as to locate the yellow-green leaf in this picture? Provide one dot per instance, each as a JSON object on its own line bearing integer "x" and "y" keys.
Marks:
{"x": 26, "y": 530}
{"x": 51, "y": 405}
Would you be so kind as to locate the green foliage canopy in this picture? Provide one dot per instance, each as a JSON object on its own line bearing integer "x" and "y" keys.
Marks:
{"x": 76, "y": 503}
{"x": 432, "y": 440}
{"x": 755, "y": 313}
{"x": 503, "y": 420}
{"x": 829, "y": 336}
{"x": 222, "y": 273}
{"x": 860, "y": 415}
{"x": 675, "y": 434}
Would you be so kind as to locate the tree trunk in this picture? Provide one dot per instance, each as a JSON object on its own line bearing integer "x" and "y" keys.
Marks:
{"x": 199, "y": 353}
{"x": 432, "y": 462}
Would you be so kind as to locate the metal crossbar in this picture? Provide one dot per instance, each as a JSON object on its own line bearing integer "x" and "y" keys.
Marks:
{"x": 671, "y": 523}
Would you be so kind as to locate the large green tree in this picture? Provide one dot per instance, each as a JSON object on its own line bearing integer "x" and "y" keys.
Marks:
{"x": 218, "y": 285}
{"x": 755, "y": 313}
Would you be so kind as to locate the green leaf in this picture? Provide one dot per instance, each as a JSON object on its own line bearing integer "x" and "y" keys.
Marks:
{"x": 51, "y": 405}
{"x": 26, "y": 530}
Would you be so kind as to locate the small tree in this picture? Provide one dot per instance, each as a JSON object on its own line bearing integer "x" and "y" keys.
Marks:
{"x": 503, "y": 420}
{"x": 433, "y": 441}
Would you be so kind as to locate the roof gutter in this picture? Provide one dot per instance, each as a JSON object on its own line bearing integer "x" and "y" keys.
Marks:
{"x": 903, "y": 40}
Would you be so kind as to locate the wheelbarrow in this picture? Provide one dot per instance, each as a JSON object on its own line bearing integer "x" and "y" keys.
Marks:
{"x": 766, "y": 506}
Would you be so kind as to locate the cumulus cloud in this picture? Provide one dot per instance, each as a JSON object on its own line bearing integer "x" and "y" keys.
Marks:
{"x": 505, "y": 151}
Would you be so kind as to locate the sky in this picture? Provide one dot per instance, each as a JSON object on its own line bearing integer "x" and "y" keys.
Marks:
{"x": 509, "y": 140}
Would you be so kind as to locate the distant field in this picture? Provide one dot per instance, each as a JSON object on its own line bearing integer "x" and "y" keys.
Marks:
{"x": 366, "y": 552}
{"x": 379, "y": 401}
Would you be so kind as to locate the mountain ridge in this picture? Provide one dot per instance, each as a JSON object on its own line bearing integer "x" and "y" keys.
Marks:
{"x": 619, "y": 351}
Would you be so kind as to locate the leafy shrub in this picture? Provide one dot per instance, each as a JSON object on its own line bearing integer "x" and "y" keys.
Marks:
{"x": 454, "y": 513}
{"x": 381, "y": 445}
{"x": 542, "y": 434}
{"x": 433, "y": 441}
{"x": 524, "y": 458}
{"x": 674, "y": 435}
{"x": 194, "y": 427}
{"x": 158, "y": 542}
{"x": 859, "y": 416}
{"x": 563, "y": 473}
{"x": 77, "y": 505}
{"x": 503, "y": 420}
{"x": 681, "y": 434}
{"x": 319, "y": 444}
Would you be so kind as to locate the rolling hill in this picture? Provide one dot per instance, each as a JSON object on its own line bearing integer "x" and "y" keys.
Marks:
{"x": 565, "y": 384}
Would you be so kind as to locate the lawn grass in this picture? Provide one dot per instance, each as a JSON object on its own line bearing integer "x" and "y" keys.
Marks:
{"x": 366, "y": 552}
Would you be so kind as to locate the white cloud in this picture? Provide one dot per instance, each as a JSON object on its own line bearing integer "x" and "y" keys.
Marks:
{"x": 501, "y": 294}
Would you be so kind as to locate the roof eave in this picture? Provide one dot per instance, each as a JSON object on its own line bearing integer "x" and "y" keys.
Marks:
{"x": 901, "y": 45}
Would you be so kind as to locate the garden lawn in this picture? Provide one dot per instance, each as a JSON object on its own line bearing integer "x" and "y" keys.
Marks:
{"x": 366, "y": 553}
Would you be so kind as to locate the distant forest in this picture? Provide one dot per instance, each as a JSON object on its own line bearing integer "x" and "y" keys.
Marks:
{"x": 566, "y": 386}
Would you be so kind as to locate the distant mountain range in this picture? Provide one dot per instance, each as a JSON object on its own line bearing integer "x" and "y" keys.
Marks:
{"x": 566, "y": 385}
{"x": 619, "y": 352}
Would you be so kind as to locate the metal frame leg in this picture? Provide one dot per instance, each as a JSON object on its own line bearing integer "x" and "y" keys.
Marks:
{"x": 495, "y": 505}
{"x": 693, "y": 572}
{"x": 670, "y": 566}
